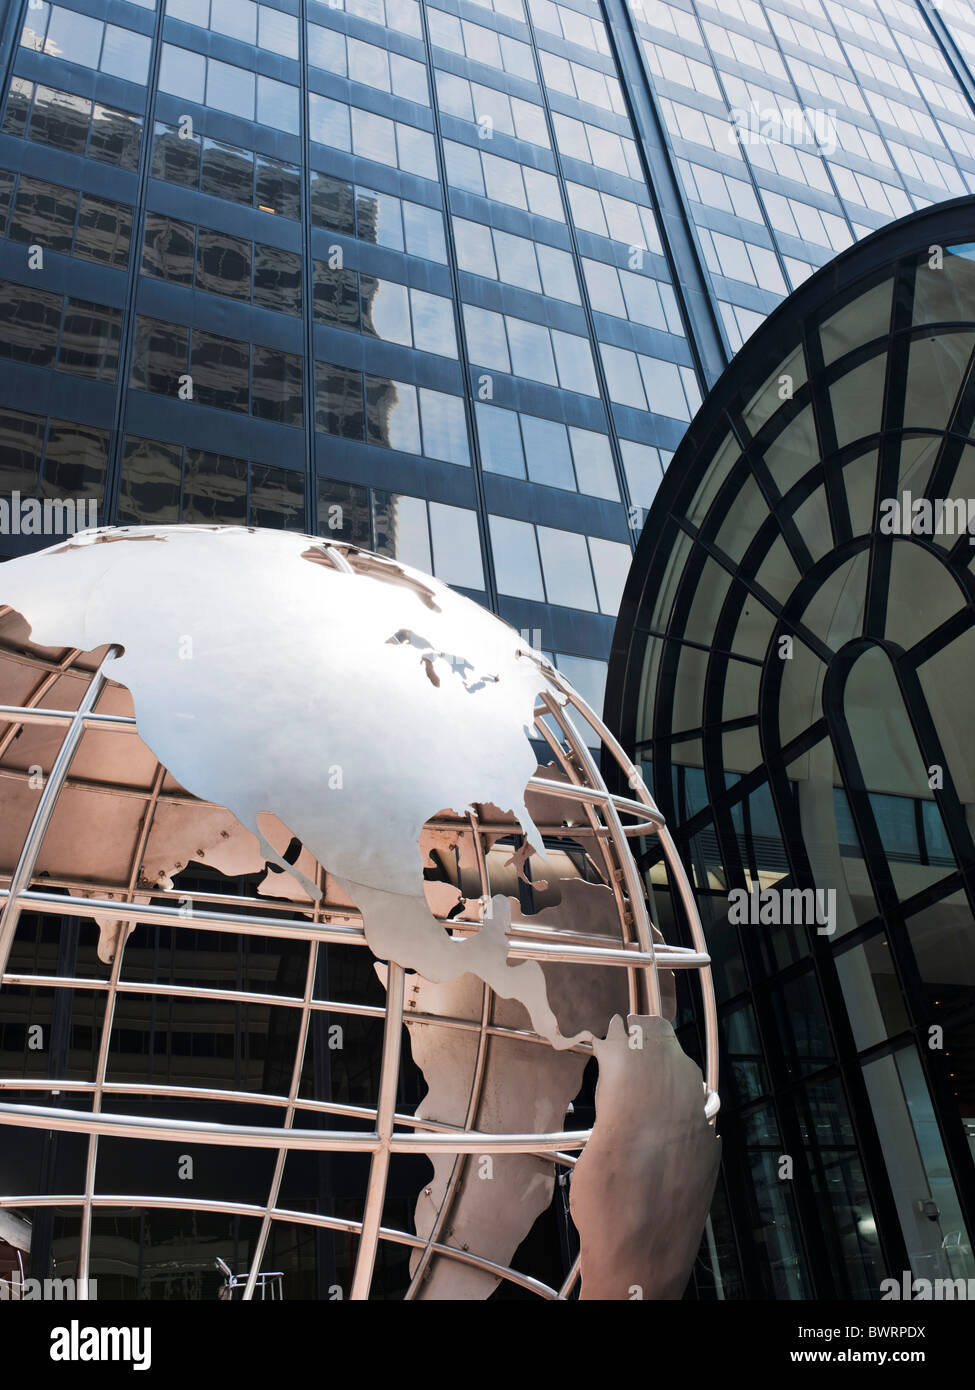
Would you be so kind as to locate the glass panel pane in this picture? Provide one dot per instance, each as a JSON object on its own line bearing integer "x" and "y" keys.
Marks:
{"x": 433, "y": 323}
{"x": 336, "y": 296}
{"x": 547, "y": 452}
{"x": 424, "y": 232}
{"x": 392, "y": 415}
{"x": 338, "y": 401}
{"x": 594, "y": 463}
{"x": 565, "y": 562}
{"x": 611, "y": 562}
{"x": 214, "y": 489}
{"x": 150, "y": 483}
{"x": 126, "y": 54}
{"x": 90, "y": 340}
{"x": 278, "y": 187}
{"x": 75, "y": 461}
{"x": 104, "y": 231}
{"x": 116, "y": 137}
{"x": 44, "y": 213}
{"x": 60, "y": 119}
{"x": 385, "y": 310}
{"x": 378, "y": 218}
{"x": 29, "y": 321}
{"x": 277, "y": 279}
{"x": 21, "y": 449}
{"x": 277, "y": 393}
{"x": 220, "y": 370}
{"x": 456, "y": 546}
{"x": 344, "y": 513}
{"x": 174, "y": 159}
{"x": 500, "y": 440}
{"x": 167, "y": 249}
{"x": 228, "y": 172}
{"x": 516, "y": 561}
{"x": 444, "y": 426}
{"x": 402, "y": 530}
{"x": 223, "y": 264}
{"x": 230, "y": 89}
{"x": 331, "y": 204}
{"x": 277, "y": 498}
{"x": 159, "y": 357}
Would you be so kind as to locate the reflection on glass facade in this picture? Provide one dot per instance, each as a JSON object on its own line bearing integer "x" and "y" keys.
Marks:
{"x": 451, "y": 279}
{"x": 793, "y": 662}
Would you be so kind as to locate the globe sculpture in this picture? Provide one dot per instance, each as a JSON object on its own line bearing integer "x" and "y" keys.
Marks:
{"x": 259, "y": 701}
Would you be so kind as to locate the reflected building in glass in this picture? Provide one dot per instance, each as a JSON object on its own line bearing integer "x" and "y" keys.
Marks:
{"x": 448, "y": 280}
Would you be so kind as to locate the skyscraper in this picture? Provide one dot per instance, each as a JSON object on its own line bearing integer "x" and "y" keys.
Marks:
{"x": 448, "y": 280}
{"x": 470, "y": 266}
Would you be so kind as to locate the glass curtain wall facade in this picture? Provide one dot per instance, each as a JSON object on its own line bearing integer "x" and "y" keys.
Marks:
{"x": 447, "y": 280}
{"x": 792, "y": 662}
{"x": 444, "y": 279}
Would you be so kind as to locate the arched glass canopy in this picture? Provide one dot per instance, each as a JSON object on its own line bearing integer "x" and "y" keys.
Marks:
{"x": 793, "y": 662}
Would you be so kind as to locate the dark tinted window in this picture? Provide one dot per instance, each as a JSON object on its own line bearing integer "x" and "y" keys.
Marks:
{"x": 116, "y": 137}
{"x": 338, "y": 401}
{"x": 75, "y": 461}
{"x": 214, "y": 489}
{"x": 228, "y": 172}
{"x": 21, "y": 448}
{"x": 159, "y": 358}
{"x": 336, "y": 297}
{"x": 167, "y": 249}
{"x": 18, "y": 103}
{"x": 90, "y": 340}
{"x": 150, "y": 482}
{"x": 60, "y": 119}
{"x": 223, "y": 264}
{"x": 278, "y": 187}
{"x": 277, "y": 386}
{"x": 277, "y": 498}
{"x": 104, "y": 231}
{"x": 343, "y": 512}
{"x": 175, "y": 159}
{"x": 277, "y": 279}
{"x": 29, "y": 321}
{"x": 6, "y": 188}
{"x": 44, "y": 213}
{"x": 332, "y": 204}
{"x": 219, "y": 367}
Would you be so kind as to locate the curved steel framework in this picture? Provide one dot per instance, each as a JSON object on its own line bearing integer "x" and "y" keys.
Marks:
{"x": 613, "y": 821}
{"x": 768, "y": 530}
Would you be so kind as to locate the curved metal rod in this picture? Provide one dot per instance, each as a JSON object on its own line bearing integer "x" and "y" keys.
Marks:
{"x": 383, "y": 1141}
{"x": 571, "y": 1279}
{"x": 522, "y": 945}
{"x": 634, "y": 884}
{"x": 574, "y": 783}
{"x": 365, "y": 1259}
{"x": 474, "y": 1095}
{"x": 24, "y": 869}
{"x": 49, "y": 679}
{"x": 55, "y": 1084}
{"x": 635, "y": 780}
{"x": 297, "y": 1218}
{"x": 278, "y": 1175}
{"x": 108, "y": 1020}
{"x": 265, "y": 1137}
{"x": 108, "y": 723}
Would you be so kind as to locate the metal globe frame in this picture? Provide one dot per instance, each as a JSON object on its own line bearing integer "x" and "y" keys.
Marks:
{"x": 612, "y": 822}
